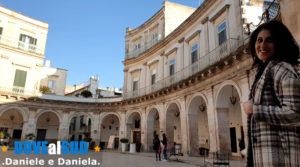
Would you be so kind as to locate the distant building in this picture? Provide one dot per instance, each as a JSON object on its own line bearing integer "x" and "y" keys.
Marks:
{"x": 92, "y": 86}
{"x": 22, "y": 53}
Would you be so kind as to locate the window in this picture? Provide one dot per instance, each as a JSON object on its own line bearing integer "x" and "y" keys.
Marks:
{"x": 153, "y": 76}
{"x": 222, "y": 33}
{"x": 172, "y": 67}
{"x": 137, "y": 46}
{"x": 135, "y": 85}
{"x": 194, "y": 53}
{"x": 81, "y": 122}
{"x": 20, "y": 78}
{"x": 27, "y": 42}
{"x": 73, "y": 123}
{"x": 1, "y": 29}
{"x": 51, "y": 85}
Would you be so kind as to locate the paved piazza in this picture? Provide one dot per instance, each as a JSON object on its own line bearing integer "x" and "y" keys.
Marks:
{"x": 115, "y": 159}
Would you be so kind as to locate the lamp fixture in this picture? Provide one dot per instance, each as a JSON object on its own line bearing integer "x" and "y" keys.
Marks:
{"x": 112, "y": 121}
{"x": 232, "y": 98}
{"x": 202, "y": 108}
{"x": 177, "y": 114}
{"x": 12, "y": 117}
{"x": 156, "y": 116}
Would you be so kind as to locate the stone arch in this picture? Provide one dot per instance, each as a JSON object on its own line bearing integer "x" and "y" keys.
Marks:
{"x": 40, "y": 112}
{"x": 153, "y": 127}
{"x": 229, "y": 118}
{"x": 80, "y": 127}
{"x": 226, "y": 83}
{"x": 47, "y": 125}
{"x": 173, "y": 124}
{"x": 22, "y": 111}
{"x": 133, "y": 126}
{"x": 197, "y": 125}
{"x": 109, "y": 127}
{"x": 12, "y": 120}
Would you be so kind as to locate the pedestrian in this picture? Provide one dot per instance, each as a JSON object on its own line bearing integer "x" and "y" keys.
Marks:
{"x": 156, "y": 147}
{"x": 165, "y": 144}
{"x": 241, "y": 146}
{"x": 273, "y": 108}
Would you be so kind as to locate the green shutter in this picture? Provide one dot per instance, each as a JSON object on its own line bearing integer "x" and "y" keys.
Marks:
{"x": 20, "y": 78}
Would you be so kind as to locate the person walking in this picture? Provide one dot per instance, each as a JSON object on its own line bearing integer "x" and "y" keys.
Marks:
{"x": 156, "y": 147}
{"x": 165, "y": 144}
{"x": 273, "y": 108}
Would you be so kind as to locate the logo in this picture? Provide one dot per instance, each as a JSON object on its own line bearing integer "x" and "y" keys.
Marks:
{"x": 42, "y": 147}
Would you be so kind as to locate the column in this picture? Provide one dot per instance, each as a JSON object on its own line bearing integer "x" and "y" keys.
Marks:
{"x": 184, "y": 126}
{"x": 29, "y": 126}
{"x": 144, "y": 130}
{"x": 95, "y": 130}
{"x": 211, "y": 116}
{"x": 63, "y": 130}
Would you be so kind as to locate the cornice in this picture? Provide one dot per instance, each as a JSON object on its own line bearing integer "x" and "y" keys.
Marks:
{"x": 177, "y": 33}
{"x": 222, "y": 10}
{"x": 135, "y": 31}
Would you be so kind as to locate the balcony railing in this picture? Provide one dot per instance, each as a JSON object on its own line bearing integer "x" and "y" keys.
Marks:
{"x": 148, "y": 45}
{"x": 17, "y": 91}
{"x": 209, "y": 59}
{"x": 20, "y": 45}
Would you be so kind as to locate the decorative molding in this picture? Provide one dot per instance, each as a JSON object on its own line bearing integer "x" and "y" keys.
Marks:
{"x": 20, "y": 65}
{"x": 203, "y": 21}
{"x": 153, "y": 62}
{"x": 171, "y": 51}
{"x": 136, "y": 70}
{"x": 193, "y": 36}
{"x": 5, "y": 57}
{"x": 221, "y": 11}
{"x": 181, "y": 40}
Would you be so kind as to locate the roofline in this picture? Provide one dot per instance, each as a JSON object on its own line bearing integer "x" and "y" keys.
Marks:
{"x": 25, "y": 16}
{"x": 174, "y": 34}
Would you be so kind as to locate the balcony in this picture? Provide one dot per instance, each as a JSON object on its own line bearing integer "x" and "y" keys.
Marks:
{"x": 17, "y": 91}
{"x": 148, "y": 45}
{"x": 20, "y": 45}
{"x": 203, "y": 62}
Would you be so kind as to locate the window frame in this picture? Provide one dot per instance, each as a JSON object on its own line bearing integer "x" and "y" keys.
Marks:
{"x": 220, "y": 29}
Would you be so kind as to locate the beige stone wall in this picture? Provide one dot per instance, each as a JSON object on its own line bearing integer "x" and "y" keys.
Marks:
{"x": 291, "y": 17}
{"x": 18, "y": 55}
{"x": 58, "y": 76}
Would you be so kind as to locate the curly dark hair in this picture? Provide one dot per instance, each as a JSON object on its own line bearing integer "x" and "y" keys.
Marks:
{"x": 286, "y": 47}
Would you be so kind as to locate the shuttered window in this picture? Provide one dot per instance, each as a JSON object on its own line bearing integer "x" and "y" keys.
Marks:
{"x": 20, "y": 78}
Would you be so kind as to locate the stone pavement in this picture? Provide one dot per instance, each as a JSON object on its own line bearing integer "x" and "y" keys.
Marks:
{"x": 114, "y": 159}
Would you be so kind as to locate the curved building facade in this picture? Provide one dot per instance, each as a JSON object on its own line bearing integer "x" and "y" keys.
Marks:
{"x": 186, "y": 73}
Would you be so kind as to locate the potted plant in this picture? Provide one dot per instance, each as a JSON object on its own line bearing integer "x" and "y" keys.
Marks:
{"x": 124, "y": 141}
{"x": 30, "y": 136}
{"x": 4, "y": 138}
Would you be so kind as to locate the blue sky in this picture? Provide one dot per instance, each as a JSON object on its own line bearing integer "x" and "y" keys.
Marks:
{"x": 87, "y": 37}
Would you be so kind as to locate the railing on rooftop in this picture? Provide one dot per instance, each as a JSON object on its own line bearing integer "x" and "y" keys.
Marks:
{"x": 213, "y": 57}
{"x": 19, "y": 44}
{"x": 17, "y": 91}
{"x": 136, "y": 52}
